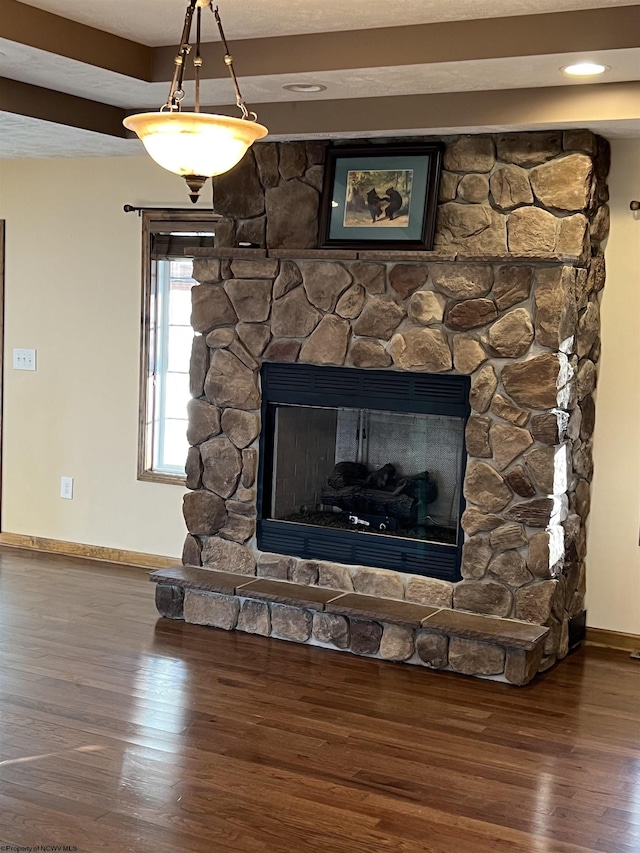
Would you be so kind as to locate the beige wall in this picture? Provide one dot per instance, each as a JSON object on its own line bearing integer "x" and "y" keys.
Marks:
{"x": 73, "y": 293}
{"x": 613, "y": 555}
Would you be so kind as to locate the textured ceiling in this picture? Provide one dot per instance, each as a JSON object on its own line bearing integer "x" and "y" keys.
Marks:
{"x": 26, "y": 137}
{"x": 158, "y": 22}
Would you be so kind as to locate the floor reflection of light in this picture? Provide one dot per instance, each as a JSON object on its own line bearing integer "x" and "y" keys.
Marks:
{"x": 541, "y": 815}
{"x": 29, "y": 758}
{"x": 158, "y": 711}
{"x": 634, "y": 788}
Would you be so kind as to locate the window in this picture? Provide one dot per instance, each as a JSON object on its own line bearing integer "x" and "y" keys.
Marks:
{"x": 167, "y": 338}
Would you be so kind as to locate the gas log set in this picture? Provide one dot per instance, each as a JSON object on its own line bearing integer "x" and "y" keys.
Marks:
{"x": 380, "y": 499}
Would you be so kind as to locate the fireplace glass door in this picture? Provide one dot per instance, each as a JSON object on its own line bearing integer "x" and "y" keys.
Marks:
{"x": 390, "y": 473}
{"x": 363, "y": 467}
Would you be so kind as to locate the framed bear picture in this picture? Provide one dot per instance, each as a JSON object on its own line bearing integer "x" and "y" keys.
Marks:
{"x": 380, "y": 196}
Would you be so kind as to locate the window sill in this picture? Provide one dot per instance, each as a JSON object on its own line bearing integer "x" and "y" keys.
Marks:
{"x": 160, "y": 477}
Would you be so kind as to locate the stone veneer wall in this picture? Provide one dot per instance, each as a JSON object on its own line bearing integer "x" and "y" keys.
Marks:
{"x": 510, "y": 296}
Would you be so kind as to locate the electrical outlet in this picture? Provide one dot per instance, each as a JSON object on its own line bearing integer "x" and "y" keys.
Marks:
{"x": 24, "y": 359}
{"x": 66, "y": 488}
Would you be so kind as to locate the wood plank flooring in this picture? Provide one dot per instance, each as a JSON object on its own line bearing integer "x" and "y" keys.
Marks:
{"x": 123, "y": 733}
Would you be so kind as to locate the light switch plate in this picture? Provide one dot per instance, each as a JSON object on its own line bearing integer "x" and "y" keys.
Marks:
{"x": 24, "y": 359}
{"x": 66, "y": 488}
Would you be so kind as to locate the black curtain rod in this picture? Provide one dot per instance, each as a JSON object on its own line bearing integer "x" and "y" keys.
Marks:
{"x": 129, "y": 208}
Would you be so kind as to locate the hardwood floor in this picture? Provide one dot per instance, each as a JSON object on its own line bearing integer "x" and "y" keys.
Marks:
{"x": 123, "y": 733}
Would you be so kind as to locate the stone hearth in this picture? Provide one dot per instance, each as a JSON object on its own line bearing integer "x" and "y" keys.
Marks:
{"x": 509, "y": 296}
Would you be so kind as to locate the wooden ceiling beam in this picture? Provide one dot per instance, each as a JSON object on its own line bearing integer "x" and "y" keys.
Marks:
{"x": 34, "y": 27}
{"x": 587, "y": 30}
{"x": 60, "y": 108}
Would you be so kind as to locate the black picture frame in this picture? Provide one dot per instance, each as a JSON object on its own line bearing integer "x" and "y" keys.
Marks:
{"x": 358, "y": 212}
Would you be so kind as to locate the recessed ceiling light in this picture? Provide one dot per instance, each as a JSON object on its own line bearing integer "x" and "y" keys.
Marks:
{"x": 585, "y": 69}
{"x": 306, "y": 88}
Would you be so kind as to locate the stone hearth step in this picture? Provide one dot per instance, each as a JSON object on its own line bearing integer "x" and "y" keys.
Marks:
{"x": 206, "y": 580}
{"x": 384, "y": 609}
{"x": 285, "y": 592}
{"x": 391, "y": 629}
{"x": 489, "y": 629}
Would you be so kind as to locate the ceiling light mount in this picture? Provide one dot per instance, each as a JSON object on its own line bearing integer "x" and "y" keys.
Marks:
{"x": 305, "y": 88}
{"x": 196, "y": 145}
{"x": 585, "y": 69}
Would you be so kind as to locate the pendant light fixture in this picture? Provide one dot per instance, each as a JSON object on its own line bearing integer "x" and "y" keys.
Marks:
{"x": 193, "y": 144}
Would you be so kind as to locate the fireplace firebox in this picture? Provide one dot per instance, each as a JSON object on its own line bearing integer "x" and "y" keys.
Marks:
{"x": 363, "y": 467}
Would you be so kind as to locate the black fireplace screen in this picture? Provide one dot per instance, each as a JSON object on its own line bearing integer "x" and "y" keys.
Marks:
{"x": 350, "y": 452}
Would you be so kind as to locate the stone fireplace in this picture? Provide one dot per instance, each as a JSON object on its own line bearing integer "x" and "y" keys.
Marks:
{"x": 506, "y": 307}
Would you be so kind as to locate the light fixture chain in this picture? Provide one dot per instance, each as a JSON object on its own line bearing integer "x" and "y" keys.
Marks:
{"x": 197, "y": 60}
{"x": 176, "y": 92}
{"x": 228, "y": 60}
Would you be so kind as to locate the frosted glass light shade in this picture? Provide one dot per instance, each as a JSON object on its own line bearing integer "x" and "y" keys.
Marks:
{"x": 188, "y": 143}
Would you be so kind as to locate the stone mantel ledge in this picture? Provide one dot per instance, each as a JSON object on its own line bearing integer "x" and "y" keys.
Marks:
{"x": 389, "y": 629}
{"x": 230, "y": 253}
